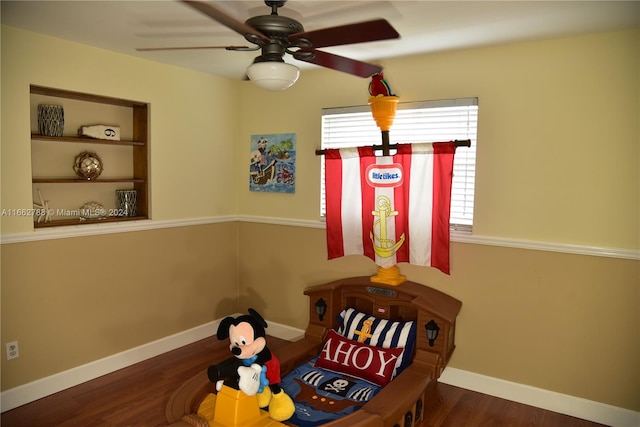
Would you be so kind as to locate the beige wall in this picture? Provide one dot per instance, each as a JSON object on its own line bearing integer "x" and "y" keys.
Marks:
{"x": 192, "y": 119}
{"x": 558, "y": 161}
{"x": 548, "y": 111}
{"x": 72, "y": 301}
{"x": 560, "y": 322}
{"x": 558, "y": 148}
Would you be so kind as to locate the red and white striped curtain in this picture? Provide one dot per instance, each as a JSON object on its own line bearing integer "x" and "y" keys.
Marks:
{"x": 390, "y": 208}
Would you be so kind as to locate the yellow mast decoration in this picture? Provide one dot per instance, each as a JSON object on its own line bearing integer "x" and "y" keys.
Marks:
{"x": 383, "y": 109}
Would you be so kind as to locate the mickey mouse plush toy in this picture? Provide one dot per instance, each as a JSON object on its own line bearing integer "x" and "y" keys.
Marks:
{"x": 258, "y": 368}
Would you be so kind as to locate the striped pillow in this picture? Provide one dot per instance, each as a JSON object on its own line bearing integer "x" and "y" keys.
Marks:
{"x": 384, "y": 333}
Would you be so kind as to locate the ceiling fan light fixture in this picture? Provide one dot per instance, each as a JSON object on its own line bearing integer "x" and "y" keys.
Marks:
{"x": 273, "y": 76}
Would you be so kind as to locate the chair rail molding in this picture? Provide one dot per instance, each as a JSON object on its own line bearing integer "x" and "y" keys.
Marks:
{"x": 456, "y": 236}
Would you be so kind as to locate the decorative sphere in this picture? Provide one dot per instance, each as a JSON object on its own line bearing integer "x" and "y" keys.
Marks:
{"x": 87, "y": 165}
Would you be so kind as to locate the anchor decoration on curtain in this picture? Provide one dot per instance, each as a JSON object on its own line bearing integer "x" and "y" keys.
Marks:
{"x": 390, "y": 208}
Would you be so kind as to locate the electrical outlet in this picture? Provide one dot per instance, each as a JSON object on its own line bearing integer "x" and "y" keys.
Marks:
{"x": 12, "y": 350}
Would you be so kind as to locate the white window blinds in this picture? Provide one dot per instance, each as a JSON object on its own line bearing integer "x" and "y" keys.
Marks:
{"x": 427, "y": 121}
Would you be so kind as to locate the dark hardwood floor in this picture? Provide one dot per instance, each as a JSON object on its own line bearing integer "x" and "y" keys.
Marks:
{"x": 136, "y": 397}
{"x": 458, "y": 407}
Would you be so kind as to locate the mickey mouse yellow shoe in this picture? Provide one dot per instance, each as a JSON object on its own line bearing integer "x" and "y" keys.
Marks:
{"x": 264, "y": 398}
{"x": 281, "y": 407}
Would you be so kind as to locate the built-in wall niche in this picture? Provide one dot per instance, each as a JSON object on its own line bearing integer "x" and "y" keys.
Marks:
{"x": 124, "y": 161}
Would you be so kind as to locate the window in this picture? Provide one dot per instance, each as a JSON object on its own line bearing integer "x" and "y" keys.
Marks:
{"x": 428, "y": 121}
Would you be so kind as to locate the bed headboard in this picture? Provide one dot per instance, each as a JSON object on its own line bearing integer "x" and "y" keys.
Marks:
{"x": 431, "y": 309}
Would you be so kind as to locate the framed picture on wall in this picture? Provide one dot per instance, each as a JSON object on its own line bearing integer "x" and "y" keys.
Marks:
{"x": 272, "y": 165}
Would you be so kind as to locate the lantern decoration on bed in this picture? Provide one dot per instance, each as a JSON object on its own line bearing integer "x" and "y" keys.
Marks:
{"x": 432, "y": 329}
{"x": 390, "y": 208}
{"x": 321, "y": 308}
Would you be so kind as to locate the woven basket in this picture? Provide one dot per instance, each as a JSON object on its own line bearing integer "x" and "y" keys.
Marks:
{"x": 50, "y": 120}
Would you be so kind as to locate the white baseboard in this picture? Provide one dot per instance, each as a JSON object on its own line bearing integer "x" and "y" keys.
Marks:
{"x": 284, "y": 332}
{"x": 552, "y": 401}
{"x": 38, "y": 389}
{"x": 540, "y": 398}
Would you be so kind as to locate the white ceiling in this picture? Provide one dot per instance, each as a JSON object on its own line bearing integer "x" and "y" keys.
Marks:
{"x": 424, "y": 26}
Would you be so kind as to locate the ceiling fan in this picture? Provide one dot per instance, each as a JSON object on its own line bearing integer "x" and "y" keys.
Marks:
{"x": 277, "y": 35}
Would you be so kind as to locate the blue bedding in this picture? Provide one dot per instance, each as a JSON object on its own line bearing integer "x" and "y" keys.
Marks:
{"x": 321, "y": 396}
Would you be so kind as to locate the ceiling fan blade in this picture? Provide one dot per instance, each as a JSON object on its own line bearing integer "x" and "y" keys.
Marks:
{"x": 226, "y": 20}
{"x": 150, "y": 49}
{"x": 378, "y": 29}
{"x": 336, "y": 62}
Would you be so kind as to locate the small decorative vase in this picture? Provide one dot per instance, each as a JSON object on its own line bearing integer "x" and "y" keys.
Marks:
{"x": 126, "y": 201}
{"x": 50, "y": 120}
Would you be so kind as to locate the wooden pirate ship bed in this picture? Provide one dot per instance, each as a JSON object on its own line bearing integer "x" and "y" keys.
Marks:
{"x": 371, "y": 356}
